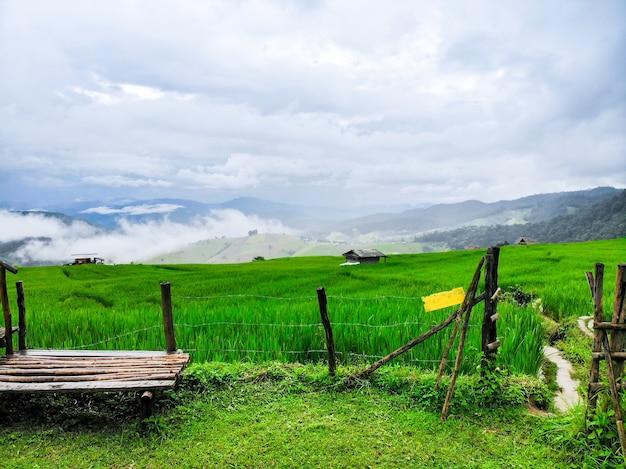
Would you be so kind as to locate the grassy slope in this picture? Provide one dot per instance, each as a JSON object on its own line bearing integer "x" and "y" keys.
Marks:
{"x": 256, "y": 417}
{"x": 270, "y": 246}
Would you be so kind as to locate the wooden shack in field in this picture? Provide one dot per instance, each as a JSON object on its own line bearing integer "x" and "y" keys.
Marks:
{"x": 364, "y": 256}
{"x": 86, "y": 260}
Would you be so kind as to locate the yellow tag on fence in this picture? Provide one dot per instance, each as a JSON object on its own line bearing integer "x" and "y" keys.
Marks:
{"x": 443, "y": 299}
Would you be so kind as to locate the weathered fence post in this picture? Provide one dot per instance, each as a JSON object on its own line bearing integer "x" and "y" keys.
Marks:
{"x": 596, "y": 284}
{"x": 490, "y": 341}
{"x": 330, "y": 340}
{"x": 6, "y": 308}
{"x": 618, "y": 337}
{"x": 21, "y": 306}
{"x": 168, "y": 321}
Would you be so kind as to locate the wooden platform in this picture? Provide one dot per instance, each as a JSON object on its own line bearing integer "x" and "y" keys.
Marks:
{"x": 89, "y": 371}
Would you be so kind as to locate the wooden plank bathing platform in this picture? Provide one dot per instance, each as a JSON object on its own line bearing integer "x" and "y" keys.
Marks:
{"x": 89, "y": 371}
{"x": 56, "y": 371}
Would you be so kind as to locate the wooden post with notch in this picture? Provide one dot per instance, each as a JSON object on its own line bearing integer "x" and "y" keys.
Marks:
{"x": 168, "y": 321}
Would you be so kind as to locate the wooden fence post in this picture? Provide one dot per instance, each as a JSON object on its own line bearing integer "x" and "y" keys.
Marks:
{"x": 596, "y": 284}
{"x": 330, "y": 340}
{"x": 618, "y": 339}
{"x": 489, "y": 332}
{"x": 6, "y": 308}
{"x": 168, "y": 321}
{"x": 21, "y": 306}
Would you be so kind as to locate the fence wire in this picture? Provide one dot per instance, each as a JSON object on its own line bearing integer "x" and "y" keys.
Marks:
{"x": 208, "y": 351}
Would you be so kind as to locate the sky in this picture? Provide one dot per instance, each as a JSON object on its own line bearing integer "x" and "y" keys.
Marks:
{"x": 327, "y": 103}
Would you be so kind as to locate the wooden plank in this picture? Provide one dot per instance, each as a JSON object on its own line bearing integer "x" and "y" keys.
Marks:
{"x": 615, "y": 355}
{"x": 89, "y": 377}
{"x": 15, "y": 370}
{"x": 88, "y": 386}
{"x": 610, "y": 326}
{"x": 17, "y": 358}
{"x": 77, "y": 366}
{"x": 90, "y": 370}
{"x": 94, "y": 353}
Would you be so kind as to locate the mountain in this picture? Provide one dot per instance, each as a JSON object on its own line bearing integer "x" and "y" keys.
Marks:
{"x": 605, "y": 219}
{"x": 531, "y": 209}
{"x": 137, "y": 230}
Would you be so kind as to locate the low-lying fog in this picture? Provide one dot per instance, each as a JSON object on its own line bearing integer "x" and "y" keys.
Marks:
{"x": 51, "y": 240}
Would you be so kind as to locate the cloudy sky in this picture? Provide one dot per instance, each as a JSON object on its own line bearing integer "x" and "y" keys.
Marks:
{"x": 314, "y": 102}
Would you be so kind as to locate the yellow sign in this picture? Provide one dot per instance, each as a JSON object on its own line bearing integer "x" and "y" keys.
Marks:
{"x": 443, "y": 299}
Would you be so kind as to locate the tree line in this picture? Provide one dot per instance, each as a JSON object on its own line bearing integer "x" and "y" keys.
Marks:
{"x": 604, "y": 220}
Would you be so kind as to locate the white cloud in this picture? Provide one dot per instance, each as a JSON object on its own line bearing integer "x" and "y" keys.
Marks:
{"x": 143, "y": 209}
{"x": 53, "y": 240}
{"x": 341, "y": 103}
{"x": 120, "y": 181}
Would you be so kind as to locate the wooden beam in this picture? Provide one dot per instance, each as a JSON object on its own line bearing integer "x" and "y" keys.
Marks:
{"x": 610, "y": 326}
{"x": 10, "y": 268}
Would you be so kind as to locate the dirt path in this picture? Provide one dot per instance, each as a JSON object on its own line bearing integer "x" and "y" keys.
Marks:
{"x": 568, "y": 396}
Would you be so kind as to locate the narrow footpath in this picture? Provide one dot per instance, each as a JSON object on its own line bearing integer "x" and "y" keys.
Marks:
{"x": 568, "y": 396}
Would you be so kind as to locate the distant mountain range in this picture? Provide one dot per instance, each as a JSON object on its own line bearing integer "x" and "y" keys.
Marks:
{"x": 556, "y": 217}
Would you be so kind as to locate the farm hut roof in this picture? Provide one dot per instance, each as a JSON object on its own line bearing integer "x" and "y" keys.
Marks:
{"x": 364, "y": 253}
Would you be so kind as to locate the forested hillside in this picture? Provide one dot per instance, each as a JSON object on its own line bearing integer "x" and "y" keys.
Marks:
{"x": 604, "y": 220}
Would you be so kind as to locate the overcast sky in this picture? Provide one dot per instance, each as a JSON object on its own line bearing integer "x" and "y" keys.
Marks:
{"x": 312, "y": 102}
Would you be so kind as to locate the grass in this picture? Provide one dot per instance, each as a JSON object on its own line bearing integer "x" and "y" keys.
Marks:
{"x": 247, "y": 413}
{"x": 281, "y": 416}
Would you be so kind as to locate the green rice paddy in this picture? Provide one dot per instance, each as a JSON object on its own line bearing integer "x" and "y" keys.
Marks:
{"x": 268, "y": 310}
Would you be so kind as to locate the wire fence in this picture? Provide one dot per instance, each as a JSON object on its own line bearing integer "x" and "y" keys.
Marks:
{"x": 264, "y": 327}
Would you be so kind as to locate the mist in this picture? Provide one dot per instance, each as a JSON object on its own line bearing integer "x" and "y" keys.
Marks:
{"x": 42, "y": 239}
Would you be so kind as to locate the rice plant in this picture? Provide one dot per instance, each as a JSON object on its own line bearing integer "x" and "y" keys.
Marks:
{"x": 268, "y": 310}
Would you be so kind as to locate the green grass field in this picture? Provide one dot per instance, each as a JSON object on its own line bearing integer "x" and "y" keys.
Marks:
{"x": 268, "y": 310}
{"x": 236, "y": 408}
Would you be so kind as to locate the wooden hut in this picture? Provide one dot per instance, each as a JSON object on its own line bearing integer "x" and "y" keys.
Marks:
{"x": 364, "y": 256}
